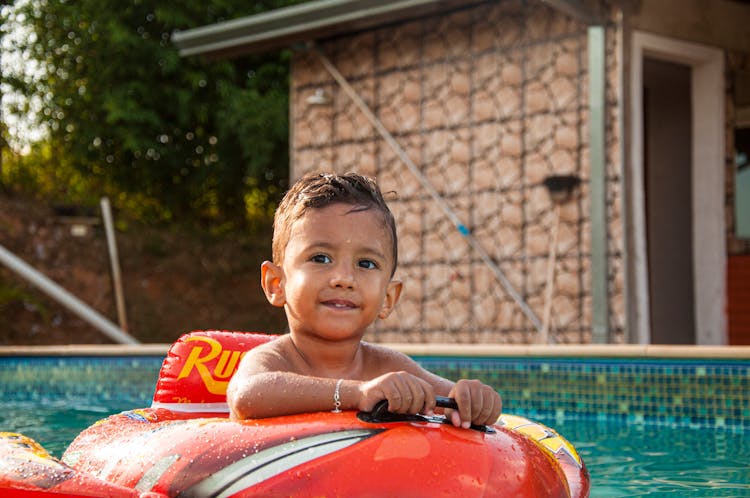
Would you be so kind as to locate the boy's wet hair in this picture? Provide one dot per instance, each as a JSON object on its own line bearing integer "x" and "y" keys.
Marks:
{"x": 318, "y": 190}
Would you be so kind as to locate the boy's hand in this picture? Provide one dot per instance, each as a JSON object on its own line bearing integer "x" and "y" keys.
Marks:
{"x": 478, "y": 404}
{"x": 406, "y": 393}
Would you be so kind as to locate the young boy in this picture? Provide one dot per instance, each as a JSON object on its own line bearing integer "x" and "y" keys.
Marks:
{"x": 334, "y": 256}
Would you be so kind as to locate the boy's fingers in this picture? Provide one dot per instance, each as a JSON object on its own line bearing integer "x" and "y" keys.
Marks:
{"x": 498, "y": 408}
{"x": 487, "y": 409}
{"x": 428, "y": 405}
{"x": 425, "y": 397}
{"x": 455, "y": 418}
{"x": 417, "y": 397}
{"x": 478, "y": 405}
{"x": 494, "y": 405}
{"x": 463, "y": 398}
{"x": 396, "y": 397}
{"x": 402, "y": 395}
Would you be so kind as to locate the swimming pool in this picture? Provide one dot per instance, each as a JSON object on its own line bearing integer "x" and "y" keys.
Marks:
{"x": 645, "y": 427}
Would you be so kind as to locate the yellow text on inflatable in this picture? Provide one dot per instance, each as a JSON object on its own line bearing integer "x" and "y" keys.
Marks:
{"x": 224, "y": 368}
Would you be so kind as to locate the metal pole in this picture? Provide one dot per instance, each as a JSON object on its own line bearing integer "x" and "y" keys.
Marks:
{"x": 114, "y": 261}
{"x": 462, "y": 229}
{"x": 65, "y": 298}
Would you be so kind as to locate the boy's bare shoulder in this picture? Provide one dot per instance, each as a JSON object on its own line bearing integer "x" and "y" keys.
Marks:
{"x": 271, "y": 355}
{"x": 380, "y": 360}
{"x": 386, "y": 358}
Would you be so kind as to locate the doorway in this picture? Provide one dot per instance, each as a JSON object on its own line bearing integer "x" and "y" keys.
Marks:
{"x": 675, "y": 195}
{"x": 667, "y": 160}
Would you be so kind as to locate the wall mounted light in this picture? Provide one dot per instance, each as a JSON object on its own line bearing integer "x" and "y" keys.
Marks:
{"x": 561, "y": 187}
{"x": 320, "y": 97}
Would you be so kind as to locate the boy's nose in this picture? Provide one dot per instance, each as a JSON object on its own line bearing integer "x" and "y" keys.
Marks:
{"x": 342, "y": 277}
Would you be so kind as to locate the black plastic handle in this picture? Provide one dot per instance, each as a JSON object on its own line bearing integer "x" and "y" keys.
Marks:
{"x": 446, "y": 402}
{"x": 381, "y": 415}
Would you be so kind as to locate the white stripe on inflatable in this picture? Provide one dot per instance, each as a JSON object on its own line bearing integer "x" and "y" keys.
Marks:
{"x": 193, "y": 407}
{"x": 272, "y": 461}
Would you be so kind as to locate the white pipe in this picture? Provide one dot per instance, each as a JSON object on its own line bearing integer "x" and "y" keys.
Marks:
{"x": 463, "y": 230}
{"x": 65, "y": 298}
{"x": 551, "y": 264}
{"x": 114, "y": 260}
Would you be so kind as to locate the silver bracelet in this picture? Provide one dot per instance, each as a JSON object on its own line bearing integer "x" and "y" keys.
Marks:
{"x": 337, "y": 397}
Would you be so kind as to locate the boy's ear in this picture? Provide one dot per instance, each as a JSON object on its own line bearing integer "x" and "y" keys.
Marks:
{"x": 392, "y": 293}
{"x": 272, "y": 281}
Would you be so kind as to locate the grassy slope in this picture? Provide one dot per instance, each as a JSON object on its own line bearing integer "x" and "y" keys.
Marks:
{"x": 174, "y": 280}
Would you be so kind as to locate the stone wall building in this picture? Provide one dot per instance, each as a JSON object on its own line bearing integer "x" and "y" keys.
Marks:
{"x": 492, "y": 102}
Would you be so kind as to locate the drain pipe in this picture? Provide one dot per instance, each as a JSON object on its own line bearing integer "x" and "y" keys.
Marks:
{"x": 462, "y": 229}
{"x": 65, "y": 298}
{"x": 598, "y": 185}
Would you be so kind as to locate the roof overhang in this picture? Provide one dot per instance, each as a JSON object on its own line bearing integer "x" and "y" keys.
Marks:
{"x": 300, "y": 23}
{"x": 320, "y": 19}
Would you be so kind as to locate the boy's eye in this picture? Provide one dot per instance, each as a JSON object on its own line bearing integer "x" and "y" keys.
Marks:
{"x": 368, "y": 264}
{"x": 320, "y": 258}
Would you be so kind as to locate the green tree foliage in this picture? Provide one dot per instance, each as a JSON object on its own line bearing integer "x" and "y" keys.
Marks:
{"x": 166, "y": 137}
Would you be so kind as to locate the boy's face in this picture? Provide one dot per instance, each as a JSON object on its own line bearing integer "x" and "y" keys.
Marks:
{"x": 335, "y": 279}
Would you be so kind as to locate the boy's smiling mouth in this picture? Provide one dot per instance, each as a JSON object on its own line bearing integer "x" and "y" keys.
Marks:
{"x": 342, "y": 304}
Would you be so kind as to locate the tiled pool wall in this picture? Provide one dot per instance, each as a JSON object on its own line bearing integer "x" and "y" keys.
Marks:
{"x": 692, "y": 392}
{"x": 700, "y": 393}
{"x": 79, "y": 379}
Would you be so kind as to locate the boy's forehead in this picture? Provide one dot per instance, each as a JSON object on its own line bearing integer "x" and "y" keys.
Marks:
{"x": 318, "y": 222}
{"x": 314, "y": 224}
{"x": 334, "y": 214}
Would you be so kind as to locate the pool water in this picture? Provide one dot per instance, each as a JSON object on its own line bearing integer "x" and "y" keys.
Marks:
{"x": 55, "y": 423}
{"x": 647, "y": 460}
{"x": 623, "y": 459}
{"x": 51, "y": 400}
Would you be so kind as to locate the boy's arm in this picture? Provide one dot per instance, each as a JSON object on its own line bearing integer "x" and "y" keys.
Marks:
{"x": 269, "y": 394}
{"x": 264, "y": 386}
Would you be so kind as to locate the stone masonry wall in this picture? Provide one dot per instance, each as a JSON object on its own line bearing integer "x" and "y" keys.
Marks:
{"x": 488, "y": 101}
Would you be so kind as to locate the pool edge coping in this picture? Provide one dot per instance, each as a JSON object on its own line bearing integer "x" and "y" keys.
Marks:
{"x": 474, "y": 350}
{"x": 576, "y": 350}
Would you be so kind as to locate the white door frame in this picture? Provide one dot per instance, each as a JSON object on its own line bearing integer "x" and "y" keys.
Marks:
{"x": 709, "y": 225}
